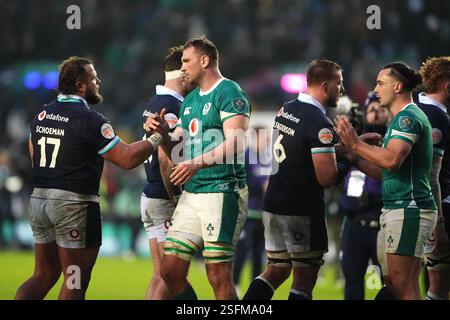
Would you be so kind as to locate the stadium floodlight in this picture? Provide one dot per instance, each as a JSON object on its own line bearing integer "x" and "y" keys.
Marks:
{"x": 32, "y": 80}
{"x": 50, "y": 80}
{"x": 293, "y": 82}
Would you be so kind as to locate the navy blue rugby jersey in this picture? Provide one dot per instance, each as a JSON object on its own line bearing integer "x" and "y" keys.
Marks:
{"x": 301, "y": 129}
{"x": 171, "y": 100}
{"x": 69, "y": 140}
{"x": 440, "y": 122}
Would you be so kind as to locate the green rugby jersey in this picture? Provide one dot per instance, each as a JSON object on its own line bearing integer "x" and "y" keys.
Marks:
{"x": 409, "y": 185}
{"x": 201, "y": 116}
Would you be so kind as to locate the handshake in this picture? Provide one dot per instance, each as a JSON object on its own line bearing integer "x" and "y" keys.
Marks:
{"x": 349, "y": 139}
{"x": 156, "y": 125}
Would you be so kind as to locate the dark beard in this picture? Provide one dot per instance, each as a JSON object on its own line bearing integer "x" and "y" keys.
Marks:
{"x": 93, "y": 97}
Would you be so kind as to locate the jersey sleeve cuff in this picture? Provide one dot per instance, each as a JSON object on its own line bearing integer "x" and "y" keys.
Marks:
{"x": 227, "y": 115}
{"x": 322, "y": 150}
{"x": 438, "y": 152}
{"x": 109, "y": 146}
{"x": 403, "y": 138}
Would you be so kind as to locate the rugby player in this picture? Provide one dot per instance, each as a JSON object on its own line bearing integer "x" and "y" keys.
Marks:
{"x": 434, "y": 102}
{"x": 294, "y": 213}
{"x": 212, "y": 209}
{"x": 67, "y": 145}
{"x": 159, "y": 197}
{"x": 404, "y": 164}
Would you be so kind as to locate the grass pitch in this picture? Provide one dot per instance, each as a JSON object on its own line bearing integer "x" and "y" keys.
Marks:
{"x": 127, "y": 279}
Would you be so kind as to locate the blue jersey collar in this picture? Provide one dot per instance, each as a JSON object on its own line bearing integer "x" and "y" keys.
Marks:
{"x": 72, "y": 98}
{"x": 163, "y": 90}
{"x": 423, "y": 98}
{"x": 306, "y": 98}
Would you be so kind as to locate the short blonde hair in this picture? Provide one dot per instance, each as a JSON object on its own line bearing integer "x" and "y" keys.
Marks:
{"x": 433, "y": 71}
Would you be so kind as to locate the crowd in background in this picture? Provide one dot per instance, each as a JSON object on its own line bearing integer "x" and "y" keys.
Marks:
{"x": 258, "y": 40}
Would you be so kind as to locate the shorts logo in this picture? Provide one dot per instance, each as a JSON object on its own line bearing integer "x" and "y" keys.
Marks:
{"x": 107, "y": 131}
{"x": 298, "y": 236}
{"x": 325, "y": 136}
{"x": 206, "y": 108}
{"x": 193, "y": 127}
{"x": 167, "y": 224}
{"x": 74, "y": 233}
{"x": 210, "y": 229}
{"x": 171, "y": 120}
{"x": 437, "y": 135}
{"x": 42, "y": 115}
{"x": 405, "y": 123}
{"x": 239, "y": 105}
{"x": 390, "y": 241}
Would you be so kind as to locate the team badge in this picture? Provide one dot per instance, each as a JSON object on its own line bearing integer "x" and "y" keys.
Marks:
{"x": 107, "y": 131}
{"x": 437, "y": 135}
{"x": 210, "y": 229}
{"x": 239, "y": 105}
{"x": 171, "y": 120}
{"x": 405, "y": 123}
{"x": 42, "y": 115}
{"x": 187, "y": 111}
{"x": 193, "y": 127}
{"x": 206, "y": 108}
{"x": 325, "y": 136}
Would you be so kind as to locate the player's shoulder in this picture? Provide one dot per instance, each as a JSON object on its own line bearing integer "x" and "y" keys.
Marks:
{"x": 230, "y": 86}
{"x": 167, "y": 101}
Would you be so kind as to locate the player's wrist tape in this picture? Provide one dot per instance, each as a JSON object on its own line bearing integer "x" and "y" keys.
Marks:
{"x": 155, "y": 139}
{"x": 343, "y": 167}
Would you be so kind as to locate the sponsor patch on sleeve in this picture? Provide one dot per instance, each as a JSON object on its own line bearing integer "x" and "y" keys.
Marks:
{"x": 325, "y": 136}
{"x": 437, "y": 135}
{"x": 406, "y": 123}
{"x": 107, "y": 131}
{"x": 171, "y": 120}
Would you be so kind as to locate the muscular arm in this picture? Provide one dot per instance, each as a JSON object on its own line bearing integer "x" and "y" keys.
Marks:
{"x": 129, "y": 156}
{"x": 165, "y": 167}
{"x": 434, "y": 182}
{"x": 30, "y": 149}
{"x": 233, "y": 145}
{"x": 368, "y": 168}
{"x": 390, "y": 158}
{"x": 325, "y": 168}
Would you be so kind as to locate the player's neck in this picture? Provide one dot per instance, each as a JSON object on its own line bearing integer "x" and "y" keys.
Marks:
{"x": 316, "y": 94}
{"x": 401, "y": 102}
{"x": 209, "y": 79}
{"x": 437, "y": 96}
{"x": 174, "y": 85}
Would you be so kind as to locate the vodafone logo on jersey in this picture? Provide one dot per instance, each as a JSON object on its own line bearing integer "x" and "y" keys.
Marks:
{"x": 193, "y": 127}
{"x": 41, "y": 116}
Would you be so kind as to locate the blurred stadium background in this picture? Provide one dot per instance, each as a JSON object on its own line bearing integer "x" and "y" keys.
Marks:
{"x": 265, "y": 45}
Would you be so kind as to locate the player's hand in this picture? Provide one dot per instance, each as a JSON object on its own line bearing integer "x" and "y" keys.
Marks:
{"x": 372, "y": 138}
{"x": 346, "y": 132}
{"x": 440, "y": 239}
{"x": 158, "y": 123}
{"x": 184, "y": 171}
{"x": 346, "y": 152}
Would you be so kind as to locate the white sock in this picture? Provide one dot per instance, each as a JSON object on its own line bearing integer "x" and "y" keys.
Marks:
{"x": 433, "y": 296}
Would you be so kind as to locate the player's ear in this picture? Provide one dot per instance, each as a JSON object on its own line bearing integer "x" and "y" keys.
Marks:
{"x": 204, "y": 60}
{"x": 398, "y": 87}
{"x": 80, "y": 87}
{"x": 325, "y": 87}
